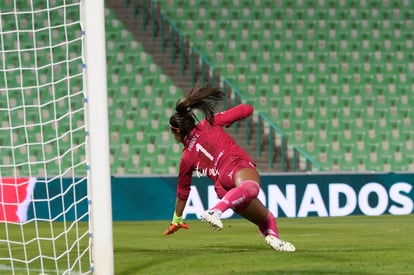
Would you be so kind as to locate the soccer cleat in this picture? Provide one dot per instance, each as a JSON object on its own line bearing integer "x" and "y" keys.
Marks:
{"x": 213, "y": 218}
{"x": 278, "y": 244}
{"x": 174, "y": 227}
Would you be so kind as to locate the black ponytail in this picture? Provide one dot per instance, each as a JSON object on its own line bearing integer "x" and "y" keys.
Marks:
{"x": 201, "y": 98}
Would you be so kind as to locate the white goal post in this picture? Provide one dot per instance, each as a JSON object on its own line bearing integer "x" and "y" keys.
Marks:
{"x": 100, "y": 185}
{"x": 55, "y": 190}
{"x": 99, "y": 174}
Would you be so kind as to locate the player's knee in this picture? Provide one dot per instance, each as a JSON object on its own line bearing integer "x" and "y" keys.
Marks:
{"x": 251, "y": 187}
{"x": 241, "y": 207}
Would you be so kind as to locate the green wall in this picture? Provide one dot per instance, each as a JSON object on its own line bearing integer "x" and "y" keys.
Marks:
{"x": 286, "y": 195}
{"x": 146, "y": 198}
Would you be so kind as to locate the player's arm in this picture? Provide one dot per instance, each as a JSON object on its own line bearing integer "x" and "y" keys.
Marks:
{"x": 179, "y": 207}
{"x": 177, "y": 220}
{"x": 228, "y": 117}
{"x": 183, "y": 191}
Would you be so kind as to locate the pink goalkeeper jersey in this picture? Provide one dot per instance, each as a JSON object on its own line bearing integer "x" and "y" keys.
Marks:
{"x": 210, "y": 151}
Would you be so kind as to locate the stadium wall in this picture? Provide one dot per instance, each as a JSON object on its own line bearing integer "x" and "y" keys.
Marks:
{"x": 294, "y": 195}
{"x": 286, "y": 195}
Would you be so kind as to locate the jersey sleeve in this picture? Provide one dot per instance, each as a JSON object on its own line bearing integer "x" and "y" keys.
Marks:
{"x": 228, "y": 117}
{"x": 184, "y": 180}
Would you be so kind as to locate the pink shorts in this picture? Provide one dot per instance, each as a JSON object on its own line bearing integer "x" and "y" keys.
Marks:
{"x": 226, "y": 180}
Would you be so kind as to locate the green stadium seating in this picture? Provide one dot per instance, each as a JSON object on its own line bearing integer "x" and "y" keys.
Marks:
{"x": 337, "y": 76}
{"x": 141, "y": 100}
{"x": 137, "y": 93}
{"x": 345, "y": 62}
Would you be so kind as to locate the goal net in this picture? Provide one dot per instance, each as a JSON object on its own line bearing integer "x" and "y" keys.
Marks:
{"x": 45, "y": 203}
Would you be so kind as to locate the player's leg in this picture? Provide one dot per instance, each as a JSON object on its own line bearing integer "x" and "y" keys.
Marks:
{"x": 257, "y": 213}
{"x": 242, "y": 194}
{"x": 245, "y": 189}
{"x": 244, "y": 201}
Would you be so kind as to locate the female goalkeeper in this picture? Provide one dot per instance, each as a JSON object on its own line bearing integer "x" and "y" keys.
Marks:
{"x": 209, "y": 149}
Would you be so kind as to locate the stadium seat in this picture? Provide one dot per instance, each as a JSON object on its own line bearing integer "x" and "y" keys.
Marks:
{"x": 138, "y": 89}
{"x": 348, "y": 64}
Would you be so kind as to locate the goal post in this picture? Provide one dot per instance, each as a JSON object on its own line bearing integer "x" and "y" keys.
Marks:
{"x": 99, "y": 172}
{"x": 55, "y": 190}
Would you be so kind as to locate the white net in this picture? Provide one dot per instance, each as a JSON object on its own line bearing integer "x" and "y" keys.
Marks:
{"x": 43, "y": 186}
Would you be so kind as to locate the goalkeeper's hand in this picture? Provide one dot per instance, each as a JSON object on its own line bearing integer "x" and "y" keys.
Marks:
{"x": 176, "y": 224}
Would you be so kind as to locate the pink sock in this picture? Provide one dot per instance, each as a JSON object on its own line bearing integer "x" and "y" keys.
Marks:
{"x": 245, "y": 192}
{"x": 269, "y": 227}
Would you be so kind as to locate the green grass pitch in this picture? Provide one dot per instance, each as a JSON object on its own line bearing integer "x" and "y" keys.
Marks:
{"x": 334, "y": 245}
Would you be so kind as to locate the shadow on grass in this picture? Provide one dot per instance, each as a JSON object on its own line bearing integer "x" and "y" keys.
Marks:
{"x": 148, "y": 258}
{"x": 300, "y": 272}
{"x": 200, "y": 250}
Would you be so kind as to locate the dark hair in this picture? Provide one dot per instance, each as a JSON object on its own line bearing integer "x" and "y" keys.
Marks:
{"x": 201, "y": 98}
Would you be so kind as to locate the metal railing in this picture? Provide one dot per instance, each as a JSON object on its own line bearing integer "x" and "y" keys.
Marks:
{"x": 310, "y": 163}
{"x": 275, "y": 138}
{"x": 206, "y": 73}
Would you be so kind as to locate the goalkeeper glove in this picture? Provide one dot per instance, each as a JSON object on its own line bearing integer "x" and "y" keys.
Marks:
{"x": 176, "y": 223}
